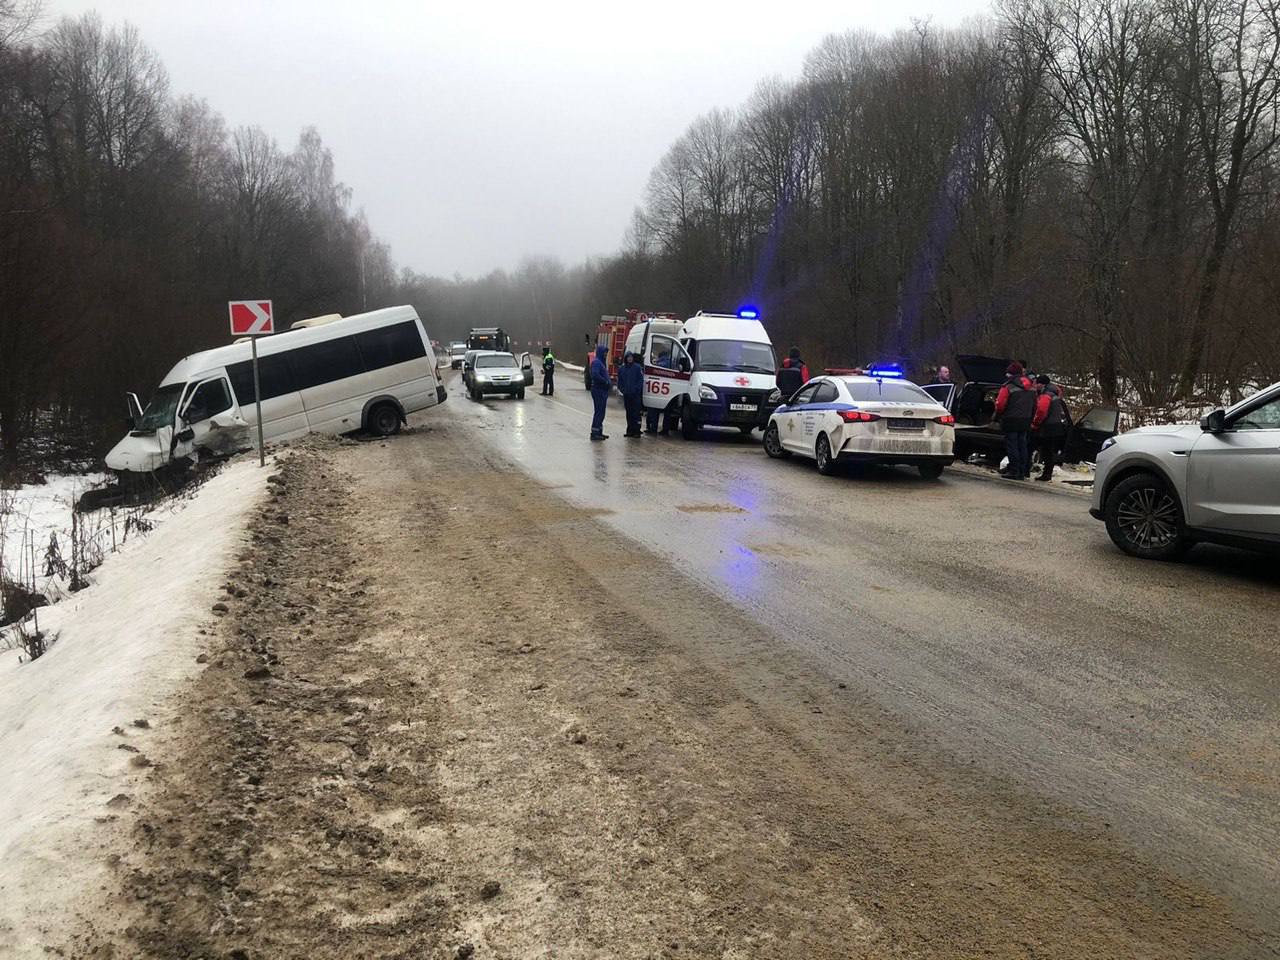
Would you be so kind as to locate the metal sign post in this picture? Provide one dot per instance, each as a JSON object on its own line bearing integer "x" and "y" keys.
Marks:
{"x": 257, "y": 403}
{"x": 253, "y": 319}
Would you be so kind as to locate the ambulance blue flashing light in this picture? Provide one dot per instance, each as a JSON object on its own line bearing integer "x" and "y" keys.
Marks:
{"x": 748, "y": 313}
{"x": 890, "y": 371}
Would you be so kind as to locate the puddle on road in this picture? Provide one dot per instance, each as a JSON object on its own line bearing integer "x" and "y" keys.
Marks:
{"x": 708, "y": 508}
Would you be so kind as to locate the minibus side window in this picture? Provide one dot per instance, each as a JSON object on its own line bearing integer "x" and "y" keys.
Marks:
{"x": 274, "y": 371}
{"x": 326, "y": 362}
{"x": 387, "y": 346}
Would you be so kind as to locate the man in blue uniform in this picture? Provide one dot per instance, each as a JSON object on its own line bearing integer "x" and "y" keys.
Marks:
{"x": 631, "y": 386}
{"x": 600, "y": 387}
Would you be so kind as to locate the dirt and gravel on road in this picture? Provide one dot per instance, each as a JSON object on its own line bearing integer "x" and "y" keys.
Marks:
{"x": 444, "y": 714}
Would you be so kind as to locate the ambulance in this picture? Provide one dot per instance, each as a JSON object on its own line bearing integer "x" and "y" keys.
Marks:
{"x": 712, "y": 370}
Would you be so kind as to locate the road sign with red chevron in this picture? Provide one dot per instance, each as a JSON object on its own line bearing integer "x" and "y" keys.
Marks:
{"x": 250, "y": 318}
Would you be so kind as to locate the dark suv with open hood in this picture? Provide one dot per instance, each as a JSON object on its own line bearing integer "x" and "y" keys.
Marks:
{"x": 973, "y": 404}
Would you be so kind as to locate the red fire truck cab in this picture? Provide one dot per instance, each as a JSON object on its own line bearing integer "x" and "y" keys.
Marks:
{"x": 612, "y": 333}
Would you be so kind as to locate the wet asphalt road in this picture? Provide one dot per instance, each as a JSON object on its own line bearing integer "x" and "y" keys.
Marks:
{"x": 995, "y": 619}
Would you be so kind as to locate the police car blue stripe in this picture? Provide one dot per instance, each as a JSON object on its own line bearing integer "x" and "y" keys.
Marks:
{"x": 816, "y": 407}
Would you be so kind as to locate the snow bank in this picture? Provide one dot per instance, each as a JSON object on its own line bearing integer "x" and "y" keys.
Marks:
{"x": 39, "y": 510}
{"x": 125, "y": 644}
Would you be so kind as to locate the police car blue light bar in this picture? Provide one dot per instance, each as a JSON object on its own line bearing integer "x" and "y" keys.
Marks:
{"x": 887, "y": 372}
{"x": 748, "y": 313}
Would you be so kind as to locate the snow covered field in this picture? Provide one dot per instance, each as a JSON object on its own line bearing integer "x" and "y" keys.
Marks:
{"x": 30, "y": 514}
{"x": 125, "y": 645}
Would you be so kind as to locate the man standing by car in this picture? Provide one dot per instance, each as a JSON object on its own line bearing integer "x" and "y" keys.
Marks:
{"x": 631, "y": 386}
{"x": 600, "y": 387}
{"x": 1015, "y": 408}
{"x": 548, "y": 372}
{"x": 792, "y": 375}
{"x": 1049, "y": 424}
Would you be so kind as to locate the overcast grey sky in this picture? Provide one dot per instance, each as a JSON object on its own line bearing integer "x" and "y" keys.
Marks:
{"x": 475, "y": 133}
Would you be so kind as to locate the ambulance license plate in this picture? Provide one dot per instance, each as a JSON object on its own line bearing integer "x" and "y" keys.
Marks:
{"x": 744, "y": 407}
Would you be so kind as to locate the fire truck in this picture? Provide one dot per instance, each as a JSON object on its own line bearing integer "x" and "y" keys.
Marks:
{"x": 612, "y": 333}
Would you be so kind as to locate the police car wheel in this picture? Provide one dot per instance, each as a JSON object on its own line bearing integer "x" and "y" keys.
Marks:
{"x": 773, "y": 443}
{"x": 822, "y": 451}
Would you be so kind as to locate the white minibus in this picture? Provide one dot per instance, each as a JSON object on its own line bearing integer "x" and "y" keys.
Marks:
{"x": 368, "y": 371}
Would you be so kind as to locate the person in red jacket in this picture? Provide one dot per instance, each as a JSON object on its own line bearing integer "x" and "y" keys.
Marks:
{"x": 794, "y": 356}
{"x": 1049, "y": 424}
{"x": 1015, "y": 409}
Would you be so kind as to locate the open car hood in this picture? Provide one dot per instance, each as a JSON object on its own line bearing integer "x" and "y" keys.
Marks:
{"x": 982, "y": 369}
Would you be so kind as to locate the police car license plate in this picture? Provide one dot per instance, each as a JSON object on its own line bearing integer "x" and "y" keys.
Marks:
{"x": 904, "y": 423}
{"x": 744, "y": 407}
{"x": 903, "y": 446}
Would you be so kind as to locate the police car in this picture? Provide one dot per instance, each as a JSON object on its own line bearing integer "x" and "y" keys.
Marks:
{"x": 877, "y": 418}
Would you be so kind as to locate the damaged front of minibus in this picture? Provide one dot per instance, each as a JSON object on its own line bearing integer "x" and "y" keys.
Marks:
{"x": 187, "y": 419}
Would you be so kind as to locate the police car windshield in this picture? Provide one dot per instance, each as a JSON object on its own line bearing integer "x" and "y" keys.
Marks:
{"x": 495, "y": 360}
{"x": 736, "y": 355}
{"x": 160, "y": 410}
{"x": 888, "y": 391}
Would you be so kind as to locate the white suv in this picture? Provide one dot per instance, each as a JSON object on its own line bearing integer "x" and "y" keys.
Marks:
{"x": 1162, "y": 489}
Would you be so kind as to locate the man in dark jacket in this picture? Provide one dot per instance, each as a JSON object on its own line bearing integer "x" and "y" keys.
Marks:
{"x": 548, "y": 372}
{"x": 631, "y": 386}
{"x": 1015, "y": 407}
{"x": 1049, "y": 424}
{"x": 600, "y": 387}
{"x": 792, "y": 375}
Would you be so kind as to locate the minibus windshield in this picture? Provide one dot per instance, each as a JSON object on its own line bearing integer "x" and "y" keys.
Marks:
{"x": 736, "y": 355}
{"x": 160, "y": 410}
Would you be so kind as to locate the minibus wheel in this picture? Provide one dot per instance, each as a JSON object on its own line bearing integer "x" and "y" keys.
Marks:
{"x": 384, "y": 420}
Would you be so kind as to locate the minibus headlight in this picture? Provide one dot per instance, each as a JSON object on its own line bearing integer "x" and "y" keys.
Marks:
{"x": 775, "y": 396}
{"x": 706, "y": 393}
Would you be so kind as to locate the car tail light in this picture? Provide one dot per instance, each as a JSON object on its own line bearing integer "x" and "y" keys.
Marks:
{"x": 947, "y": 420}
{"x": 858, "y": 416}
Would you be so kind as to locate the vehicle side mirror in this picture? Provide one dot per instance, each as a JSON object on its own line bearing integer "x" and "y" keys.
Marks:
{"x": 1215, "y": 422}
{"x": 685, "y": 366}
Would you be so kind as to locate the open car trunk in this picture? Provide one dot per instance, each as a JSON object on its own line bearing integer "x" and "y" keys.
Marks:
{"x": 980, "y": 369}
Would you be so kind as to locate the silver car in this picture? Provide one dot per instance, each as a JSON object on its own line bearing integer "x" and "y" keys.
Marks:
{"x": 496, "y": 373}
{"x": 1162, "y": 489}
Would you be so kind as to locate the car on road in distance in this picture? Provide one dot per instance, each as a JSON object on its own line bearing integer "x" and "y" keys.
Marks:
{"x": 863, "y": 419}
{"x": 457, "y": 350}
{"x": 1161, "y": 489}
{"x": 496, "y": 373}
{"x": 973, "y": 404}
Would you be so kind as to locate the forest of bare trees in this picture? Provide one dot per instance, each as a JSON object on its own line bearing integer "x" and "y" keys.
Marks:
{"x": 1090, "y": 183}
{"x": 1093, "y": 184}
{"x": 129, "y": 216}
